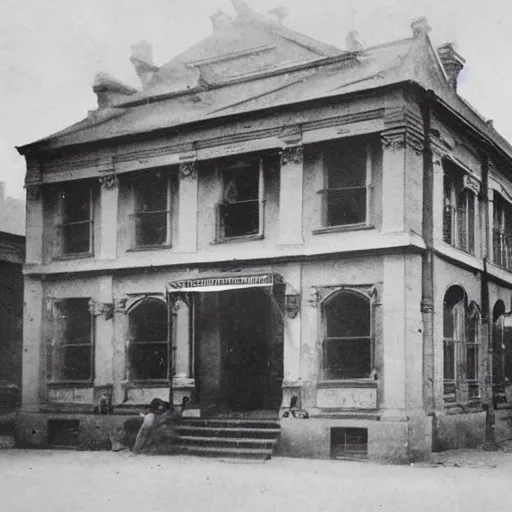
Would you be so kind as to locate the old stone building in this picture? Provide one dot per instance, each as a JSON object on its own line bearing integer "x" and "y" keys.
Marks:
{"x": 279, "y": 230}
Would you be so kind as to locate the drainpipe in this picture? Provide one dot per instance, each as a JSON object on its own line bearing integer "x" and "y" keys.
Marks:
{"x": 490, "y": 441}
{"x": 427, "y": 273}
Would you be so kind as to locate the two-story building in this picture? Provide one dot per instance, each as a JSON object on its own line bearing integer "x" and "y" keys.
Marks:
{"x": 271, "y": 222}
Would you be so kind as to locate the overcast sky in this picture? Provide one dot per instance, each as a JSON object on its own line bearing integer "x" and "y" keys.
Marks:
{"x": 50, "y": 51}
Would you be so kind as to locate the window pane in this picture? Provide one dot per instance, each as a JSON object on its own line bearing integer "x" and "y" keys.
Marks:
{"x": 345, "y": 207}
{"x": 449, "y": 361}
{"x": 472, "y": 362}
{"x": 148, "y": 321}
{"x": 76, "y": 238}
{"x": 347, "y": 315}
{"x": 150, "y": 228}
{"x": 471, "y": 223}
{"x": 241, "y": 183}
{"x": 346, "y": 165}
{"x": 76, "y": 204}
{"x": 73, "y": 321}
{"x": 240, "y": 219}
{"x": 151, "y": 193}
{"x": 148, "y": 361}
{"x": 347, "y": 359}
{"x": 72, "y": 363}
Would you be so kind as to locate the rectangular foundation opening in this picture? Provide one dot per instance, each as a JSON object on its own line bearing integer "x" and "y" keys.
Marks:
{"x": 349, "y": 443}
{"x": 63, "y": 433}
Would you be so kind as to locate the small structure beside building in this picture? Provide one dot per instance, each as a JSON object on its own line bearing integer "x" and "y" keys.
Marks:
{"x": 274, "y": 228}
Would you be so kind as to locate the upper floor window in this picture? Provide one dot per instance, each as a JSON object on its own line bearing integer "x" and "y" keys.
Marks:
{"x": 76, "y": 219}
{"x": 72, "y": 354}
{"x": 240, "y": 213}
{"x": 152, "y": 210}
{"x": 502, "y": 232}
{"x": 149, "y": 350}
{"x": 348, "y": 177}
{"x": 461, "y": 347}
{"x": 459, "y": 209}
{"x": 347, "y": 344}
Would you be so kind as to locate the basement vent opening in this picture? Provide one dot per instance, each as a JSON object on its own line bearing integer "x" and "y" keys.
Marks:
{"x": 349, "y": 443}
{"x": 63, "y": 433}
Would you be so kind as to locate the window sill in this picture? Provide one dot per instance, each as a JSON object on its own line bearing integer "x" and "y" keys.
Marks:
{"x": 341, "y": 229}
{"x": 463, "y": 251}
{"x": 347, "y": 383}
{"x": 143, "y": 248}
{"x": 70, "y": 384}
{"x": 78, "y": 256}
{"x": 235, "y": 239}
{"x": 139, "y": 384}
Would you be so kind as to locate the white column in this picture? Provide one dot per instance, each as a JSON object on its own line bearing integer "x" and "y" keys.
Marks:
{"x": 34, "y": 375}
{"x": 182, "y": 339}
{"x": 393, "y": 182}
{"x": 34, "y": 225}
{"x": 292, "y": 326}
{"x": 290, "y": 196}
{"x": 108, "y": 217}
{"x": 187, "y": 214}
{"x": 104, "y": 334}
{"x": 394, "y": 342}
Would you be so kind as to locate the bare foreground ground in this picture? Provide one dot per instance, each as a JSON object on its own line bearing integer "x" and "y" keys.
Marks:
{"x": 67, "y": 481}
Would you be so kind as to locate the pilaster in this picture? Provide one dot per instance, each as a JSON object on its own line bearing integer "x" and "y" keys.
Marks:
{"x": 291, "y": 194}
{"x": 187, "y": 214}
{"x": 34, "y": 216}
{"x": 108, "y": 216}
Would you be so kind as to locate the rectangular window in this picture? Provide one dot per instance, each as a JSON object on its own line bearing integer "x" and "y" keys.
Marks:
{"x": 152, "y": 210}
{"x": 348, "y": 174}
{"x": 502, "y": 232}
{"x": 72, "y": 342}
{"x": 459, "y": 210}
{"x": 76, "y": 219}
{"x": 349, "y": 443}
{"x": 240, "y": 213}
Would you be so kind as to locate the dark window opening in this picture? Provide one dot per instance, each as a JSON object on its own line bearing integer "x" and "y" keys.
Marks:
{"x": 149, "y": 348}
{"x": 459, "y": 210}
{"x": 152, "y": 210}
{"x": 240, "y": 209}
{"x": 349, "y": 443}
{"x": 72, "y": 346}
{"x": 63, "y": 433}
{"x": 77, "y": 219}
{"x": 502, "y": 232}
{"x": 347, "y": 351}
{"x": 345, "y": 196}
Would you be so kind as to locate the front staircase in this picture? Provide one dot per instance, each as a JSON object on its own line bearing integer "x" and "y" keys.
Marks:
{"x": 238, "y": 438}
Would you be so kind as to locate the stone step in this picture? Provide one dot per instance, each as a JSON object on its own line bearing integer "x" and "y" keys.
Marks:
{"x": 232, "y": 431}
{"x": 230, "y": 423}
{"x": 213, "y": 451}
{"x": 227, "y": 442}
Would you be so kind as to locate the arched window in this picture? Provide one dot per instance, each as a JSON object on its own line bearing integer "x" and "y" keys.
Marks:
{"x": 347, "y": 348}
{"x": 461, "y": 347}
{"x": 149, "y": 348}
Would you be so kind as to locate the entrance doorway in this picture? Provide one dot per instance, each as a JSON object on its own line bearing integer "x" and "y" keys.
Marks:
{"x": 252, "y": 347}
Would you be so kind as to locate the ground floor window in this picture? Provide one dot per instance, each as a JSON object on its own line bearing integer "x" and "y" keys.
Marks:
{"x": 347, "y": 344}
{"x": 149, "y": 351}
{"x": 72, "y": 353}
{"x": 461, "y": 347}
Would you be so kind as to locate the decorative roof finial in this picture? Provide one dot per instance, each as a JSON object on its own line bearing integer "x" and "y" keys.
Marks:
{"x": 241, "y": 8}
{"x": 280, "y": 13}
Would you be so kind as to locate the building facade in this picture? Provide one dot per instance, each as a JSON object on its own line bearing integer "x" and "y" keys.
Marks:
{"x": 272, "y": 224}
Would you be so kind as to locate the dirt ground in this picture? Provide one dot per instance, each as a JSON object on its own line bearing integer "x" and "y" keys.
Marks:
{"x": 64, "y": 481}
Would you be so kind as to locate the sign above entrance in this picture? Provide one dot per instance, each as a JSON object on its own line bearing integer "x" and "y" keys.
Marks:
{"x": 218, "y": 284}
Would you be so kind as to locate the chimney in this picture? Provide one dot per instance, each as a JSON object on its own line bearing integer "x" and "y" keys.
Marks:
{"x": 142, "y": 60}
{"x": 108, "y": 90}
{"x": 452, "y": 62}
{"x": 352, "y": 42}
{"x": 420, "y": 27}
{"x": 221, "y": 20}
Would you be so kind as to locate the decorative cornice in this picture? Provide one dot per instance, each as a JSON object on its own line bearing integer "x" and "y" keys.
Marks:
{"x": 397, "y": 140}
{"x": 101, "y": 308}
{"x": 368, "y": 290}
{"x": 292, "y": 154}
{"x": 188, "y": 171}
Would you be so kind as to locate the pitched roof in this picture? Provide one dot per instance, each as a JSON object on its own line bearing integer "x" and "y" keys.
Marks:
{"x": 249, "y": 64}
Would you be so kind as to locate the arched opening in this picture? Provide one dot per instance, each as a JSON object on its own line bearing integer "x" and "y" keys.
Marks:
{"x": 502, "y": 350}
{"x": 347, "y": 344}
{"x": 148, "y": 354}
